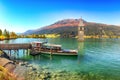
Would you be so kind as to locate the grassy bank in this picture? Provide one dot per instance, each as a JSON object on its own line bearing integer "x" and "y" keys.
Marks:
{"x": 5, "y": 75}
{"x": 7, "y": 38}
{"x": 58, "y": 35}
{"x": 39, "y": 36}
{"x": 104, "y": 36}
{"x": 2, "y": 37}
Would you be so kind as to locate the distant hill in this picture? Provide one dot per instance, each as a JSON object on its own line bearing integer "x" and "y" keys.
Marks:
{"x": 28, "y": 32}
{"x": 69, "y": 27}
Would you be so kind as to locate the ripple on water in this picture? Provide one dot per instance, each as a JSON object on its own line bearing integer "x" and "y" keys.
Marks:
{"x": 95, "y": 56}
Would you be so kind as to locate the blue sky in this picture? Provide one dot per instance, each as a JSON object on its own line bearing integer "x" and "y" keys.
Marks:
{"x": 22, "y": 15}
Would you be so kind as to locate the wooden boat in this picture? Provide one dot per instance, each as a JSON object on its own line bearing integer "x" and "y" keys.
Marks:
{"x": 52, "y": 49}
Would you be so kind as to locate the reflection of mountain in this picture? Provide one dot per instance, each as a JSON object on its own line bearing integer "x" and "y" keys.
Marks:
{"x": 68, "y": 27}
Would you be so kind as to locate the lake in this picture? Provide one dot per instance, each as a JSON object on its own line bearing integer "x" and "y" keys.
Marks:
{"x": 98, "y": 57}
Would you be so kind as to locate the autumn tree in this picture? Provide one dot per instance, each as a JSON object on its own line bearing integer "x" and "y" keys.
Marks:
{"x": 13, "y": 35}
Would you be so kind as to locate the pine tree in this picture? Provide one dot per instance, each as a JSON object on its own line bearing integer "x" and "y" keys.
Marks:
{"x": 6, "y": 34}
{"x": 0, "y": 32}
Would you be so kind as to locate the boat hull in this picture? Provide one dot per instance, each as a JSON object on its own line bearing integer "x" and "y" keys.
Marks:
{"x": 59, "y": 53}
{"x": 54, "y": 53}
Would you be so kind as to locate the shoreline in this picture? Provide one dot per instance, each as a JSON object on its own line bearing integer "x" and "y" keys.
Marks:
{"x": 7, "y": 39}
{"x": 15, "y": 68}
{"x": 6, "y": 68}
{"x": 9, "y": 65}
{"x": 85, "y": 37}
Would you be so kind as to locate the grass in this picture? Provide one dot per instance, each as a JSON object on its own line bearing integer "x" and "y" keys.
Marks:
{"x": 5, "y": 75}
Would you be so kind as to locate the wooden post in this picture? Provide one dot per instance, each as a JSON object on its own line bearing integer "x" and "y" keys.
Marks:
{"x": 10, "y": 52}
{"x": 30, "y": 51}
{"x": 50, "y": 51}
{"x": 27, "y": 51}
{"x": 23, "y": 51}
{"x": 17, "y": 52}
{"x": 40, "y": 49}
{"x": 14, "y": 52}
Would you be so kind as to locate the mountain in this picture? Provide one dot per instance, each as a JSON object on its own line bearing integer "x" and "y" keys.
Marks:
{"x": 69, "y": 27}
{"x": 28, "y": 32}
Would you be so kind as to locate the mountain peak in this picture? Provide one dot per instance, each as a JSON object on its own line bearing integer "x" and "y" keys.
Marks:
{"x": 65, "y": 21}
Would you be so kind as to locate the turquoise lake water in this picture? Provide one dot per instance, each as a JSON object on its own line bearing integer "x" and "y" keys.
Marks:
{"x": 97, "y": 56}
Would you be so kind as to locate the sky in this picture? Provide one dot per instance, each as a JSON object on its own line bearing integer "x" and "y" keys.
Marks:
{"x": 22, "y": 15}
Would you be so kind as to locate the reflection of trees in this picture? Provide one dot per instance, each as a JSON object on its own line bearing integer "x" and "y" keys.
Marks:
{"x": 6, "y": 41}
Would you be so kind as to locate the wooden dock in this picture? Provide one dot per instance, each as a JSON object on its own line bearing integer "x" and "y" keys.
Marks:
{"x": 16, "y": 46}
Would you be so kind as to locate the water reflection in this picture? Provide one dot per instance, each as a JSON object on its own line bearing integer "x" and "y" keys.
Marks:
{"x": 6, "y": 41}
{"x": 81, "y": 51}
{"x": 94, "y": 55}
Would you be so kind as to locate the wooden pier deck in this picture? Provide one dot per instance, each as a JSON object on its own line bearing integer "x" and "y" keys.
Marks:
{"x": 16, "y": 46}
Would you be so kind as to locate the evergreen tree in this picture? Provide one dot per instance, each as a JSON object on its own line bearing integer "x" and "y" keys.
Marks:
{"x": 6, "y": 34}
{"x": 0, "y": 32}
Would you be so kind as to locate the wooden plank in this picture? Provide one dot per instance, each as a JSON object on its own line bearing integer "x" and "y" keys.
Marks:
{"x": 15, "y": 46}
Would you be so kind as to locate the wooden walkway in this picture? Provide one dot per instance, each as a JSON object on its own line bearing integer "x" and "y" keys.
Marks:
{"x": 16, "y": 46}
